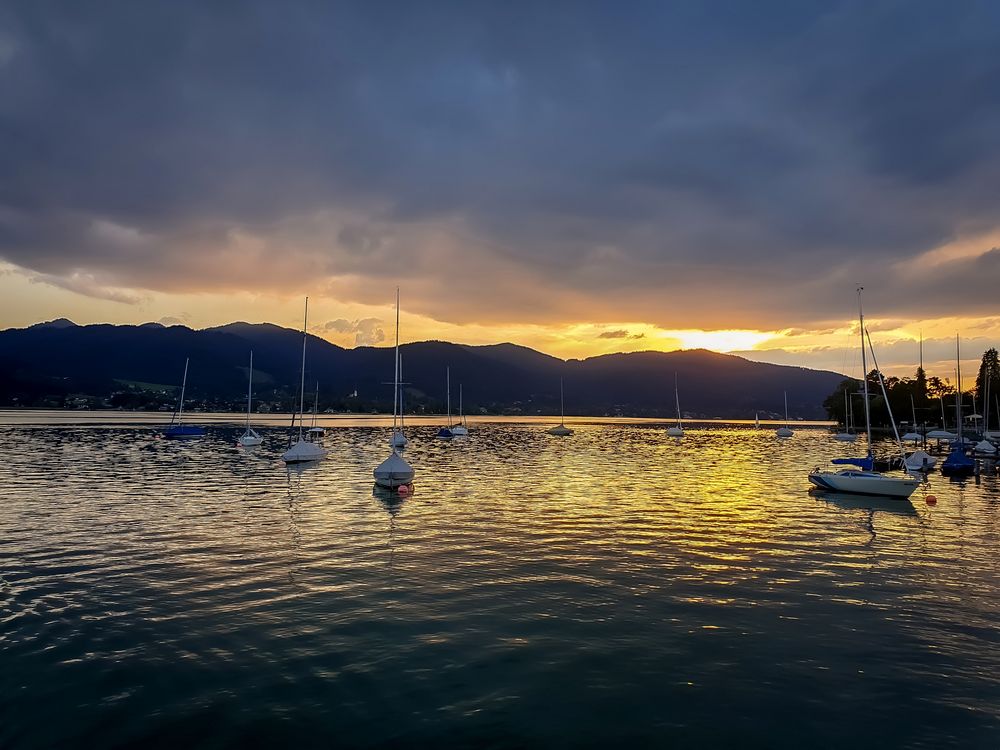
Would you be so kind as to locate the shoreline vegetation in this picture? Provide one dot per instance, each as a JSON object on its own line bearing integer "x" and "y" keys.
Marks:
{"x": 930, "y": 395}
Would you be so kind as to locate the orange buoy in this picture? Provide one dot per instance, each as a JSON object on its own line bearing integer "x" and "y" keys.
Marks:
{"x": 403, "y": 489}
{"x": 931, "y": 500}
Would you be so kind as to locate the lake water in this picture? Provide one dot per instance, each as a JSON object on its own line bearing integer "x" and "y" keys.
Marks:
{"x": 614, "y": 587}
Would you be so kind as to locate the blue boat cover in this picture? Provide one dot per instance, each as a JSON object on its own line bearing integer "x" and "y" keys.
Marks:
{"x": 867, "y": 463}
{"x": 958, "y": 460}
{"x": 185, "y": 430}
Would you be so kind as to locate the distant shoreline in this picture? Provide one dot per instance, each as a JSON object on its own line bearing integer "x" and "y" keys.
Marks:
{"x": 109, "y": 417}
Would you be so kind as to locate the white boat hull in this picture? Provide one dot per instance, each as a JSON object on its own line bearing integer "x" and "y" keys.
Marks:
{"x": 393, "y": 472}
{"x": 864, "y": 483}
{"x": 560, "y": 430}
{"x": 783, "y": 432}
{"x": 398, "y": 440}
{"x": 303, "y": 452}
{"x": 675, "y": 432}
{"x": 459, "y": 431}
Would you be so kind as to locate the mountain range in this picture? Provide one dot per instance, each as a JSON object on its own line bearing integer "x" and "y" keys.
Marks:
{"x": 60, "y": 363}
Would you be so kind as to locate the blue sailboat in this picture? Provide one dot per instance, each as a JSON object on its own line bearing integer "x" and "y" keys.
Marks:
{"x": 177, "y": 429}
{"x": 958, "y": 463}
{"x": 445, "y": 432}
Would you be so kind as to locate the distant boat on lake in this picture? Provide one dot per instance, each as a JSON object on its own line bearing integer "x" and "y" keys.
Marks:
{"x": 394, "y": 472}
{"x": 561, "y": 429}
{"x": 847, "y": 436}
{"x": 786, "y": 431}
{"x": 445, "y": 432}
{"x": 676, "y": 430}
{"x": 250, "y": 438}
{"x": 177, "y": 429}
{"x": 461, "y": 428}
{"x": 304, "y": 450}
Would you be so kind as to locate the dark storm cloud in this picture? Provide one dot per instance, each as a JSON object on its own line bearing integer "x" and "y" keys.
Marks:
{"x": 582, "y": 157}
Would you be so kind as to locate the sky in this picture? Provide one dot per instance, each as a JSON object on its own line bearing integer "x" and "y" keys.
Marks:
{"x": 577, "y": 177}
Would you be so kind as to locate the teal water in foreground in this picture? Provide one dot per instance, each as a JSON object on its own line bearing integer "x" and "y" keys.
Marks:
{"x": 611, "y": 587}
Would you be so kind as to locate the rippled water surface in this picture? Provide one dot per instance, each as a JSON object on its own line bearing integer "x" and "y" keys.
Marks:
{"x": 611, "y": 587}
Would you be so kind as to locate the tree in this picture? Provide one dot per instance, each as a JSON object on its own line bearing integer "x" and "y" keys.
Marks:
{"x": 989, "y": 370}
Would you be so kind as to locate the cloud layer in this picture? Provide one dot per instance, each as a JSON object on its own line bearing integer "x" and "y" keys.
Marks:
{"x": 691, "y": 164}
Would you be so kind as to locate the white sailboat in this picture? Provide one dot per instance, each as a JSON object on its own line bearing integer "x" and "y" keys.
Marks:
{"x": 786, "y": 431}
{"x": 676, "y": 430}
{"x": 756, "y": 420}
{"x": 847, "y": 436}
{"x": 315, "y": 432}
{"x": 865, "y": 481}
{"x": 984, "y": 446}
{"x": 398, "y": 438}
{"x": 461, "y": 428}
{"x": 445, "y": 432}
{"x": 304, "y": 450}
{"x": 561, "y": 429}
{"x": 943, "y": 433}
{"x": 250, "y": 438}
{"x": 913, "y": 436}
{"x": 394, "y": 472}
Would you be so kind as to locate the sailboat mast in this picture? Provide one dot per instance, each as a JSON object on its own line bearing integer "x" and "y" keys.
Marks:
{"x": 448, "y": 386}
{"x": 562, "y": 410}
{"x": 302, "y": 384}
{"x": 395, "y": 387}
{"x": 460, "y": 411}
{"x": 786, "y": 407}
{"x": 250, "y": 389}
{"x": 958, "y": 401}
{"x": 677, "y": 400}
{"x": 864, "y": 371}
{"x": 180, "y": 410}
{"x": 315, "y": 404}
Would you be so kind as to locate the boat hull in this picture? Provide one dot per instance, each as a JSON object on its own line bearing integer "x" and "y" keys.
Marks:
{"x": 303, "y": 452}
{"x": 183, "y": 432}
{"x": 394, "y": 472}
{"x": 864, "y": 483}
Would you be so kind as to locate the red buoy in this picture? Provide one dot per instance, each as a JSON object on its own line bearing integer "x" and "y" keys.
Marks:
{"x": 403, "y": 489}
{"x": 931, "y": 500}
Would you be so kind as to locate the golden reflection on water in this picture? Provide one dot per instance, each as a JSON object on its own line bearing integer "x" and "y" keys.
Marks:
{"x": 615, "y": 562}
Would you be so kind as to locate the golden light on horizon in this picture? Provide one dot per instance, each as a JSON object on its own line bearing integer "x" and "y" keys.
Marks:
{"x": 720, "y": 341}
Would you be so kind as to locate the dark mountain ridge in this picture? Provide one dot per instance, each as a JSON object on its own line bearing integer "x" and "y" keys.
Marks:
{"x": 47, "y": 364}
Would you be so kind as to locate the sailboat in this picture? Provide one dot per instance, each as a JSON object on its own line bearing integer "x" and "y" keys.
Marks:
{"x": 756, "y": 419}
{"x": 250, "y": 438}
{"x": 304, "y": 450}
{"x": 177, "y": 429}
{"x": 786, "y": 431}
{"x": 943, "y": 433}
{"x": 847, "y": 436}
{"x": 984, "y": 446}
{"x": 394, "y": 472}
{"x": 995, "y": 435}
{"x": 398, "y": 438}
{"x": 461, "y": 428}
{"x": 315, "y": 432}
{"x": 958, "y": 463}
{"x": 445, "y": 432}
{"x": 676, "y": 431}
{"x": 865, "y": 481}
{"x": 919, "y": 460}
{"x": 561, "y": 429}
